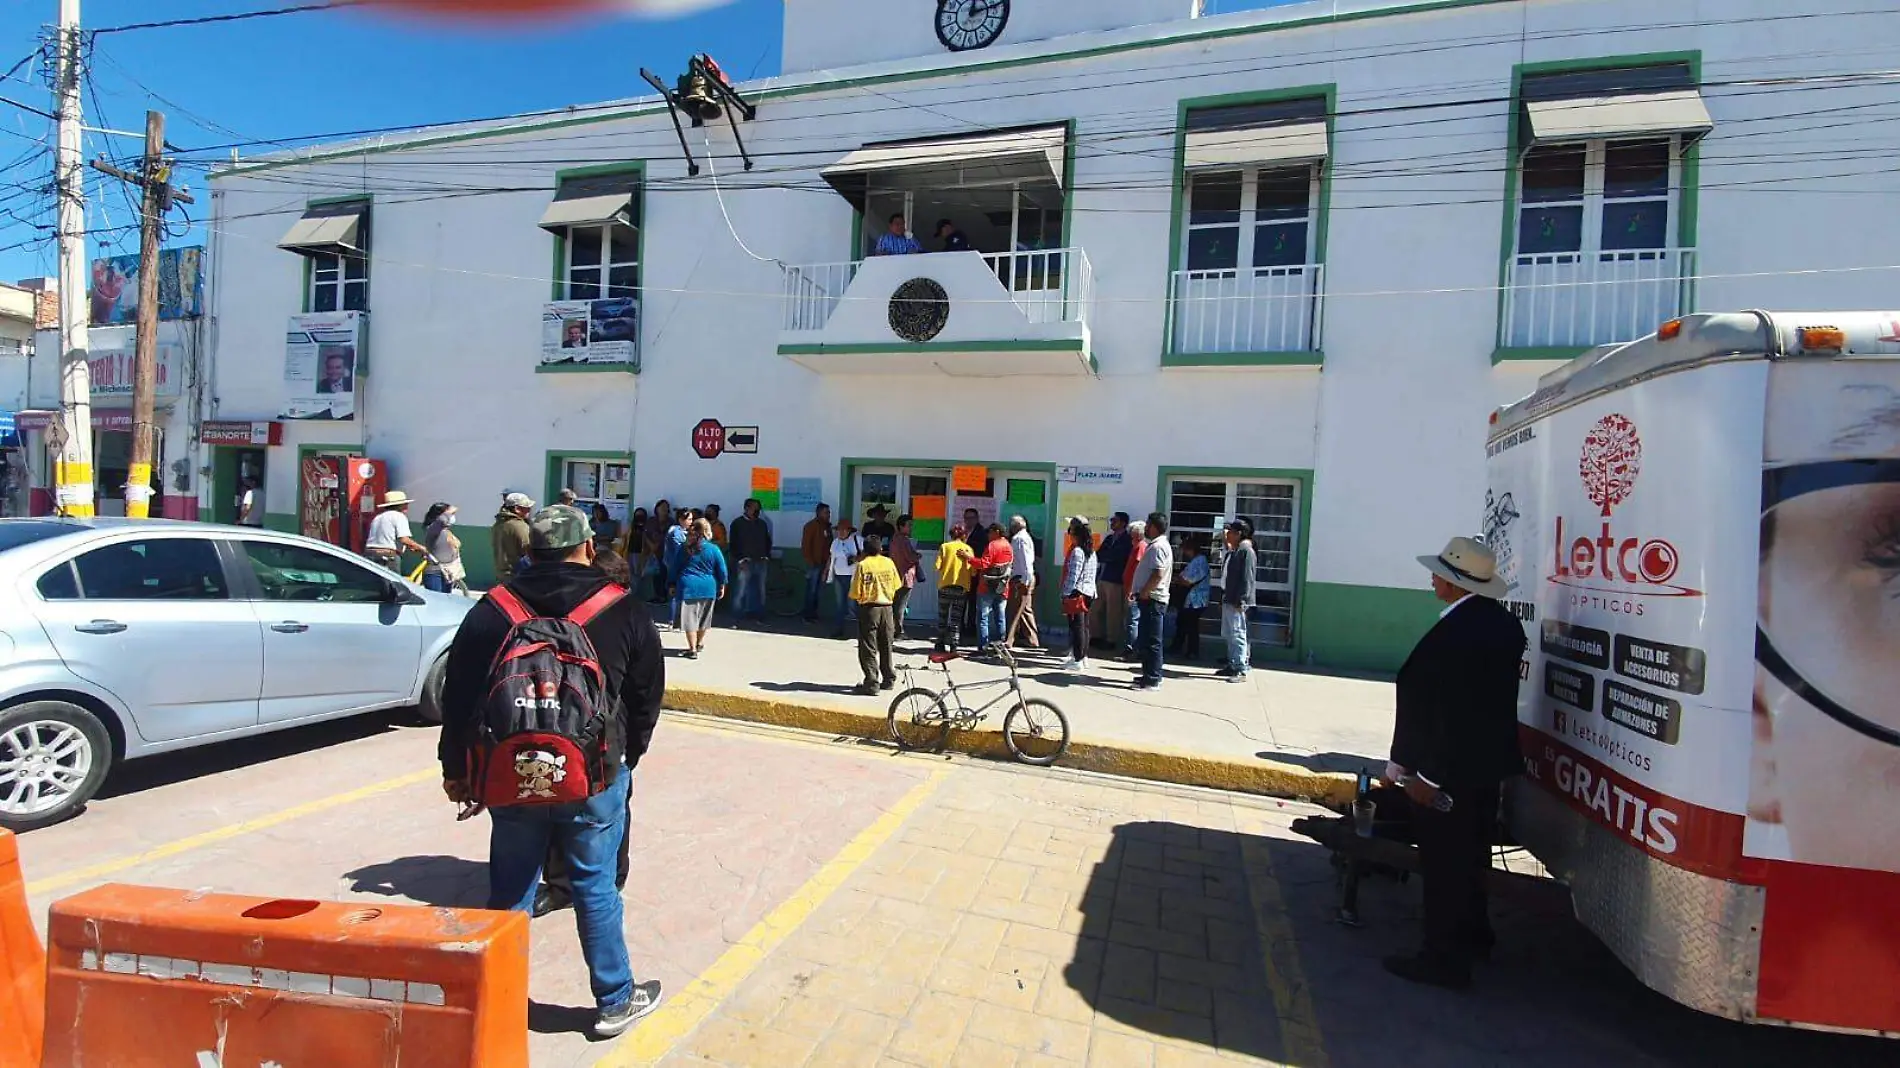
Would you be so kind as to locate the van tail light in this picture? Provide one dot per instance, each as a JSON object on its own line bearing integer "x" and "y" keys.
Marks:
{"x": 1823, "y": 339}
{"x": 1669, "y": 330}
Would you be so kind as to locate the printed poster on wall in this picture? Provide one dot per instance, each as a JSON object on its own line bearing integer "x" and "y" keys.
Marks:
{"x": 320, "y": 364}
{"x": 1093, "y": 507}
{"x": 986, "y": 509}
{"x": 181, "y": 286}
{"x": 591, "y": 331}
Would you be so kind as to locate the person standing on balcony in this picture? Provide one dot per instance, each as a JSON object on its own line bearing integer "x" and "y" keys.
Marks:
{"x": 896, "y": 240}
{"x": 952, "y": 238}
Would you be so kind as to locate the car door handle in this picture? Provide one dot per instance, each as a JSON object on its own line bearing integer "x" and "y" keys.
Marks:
{"x": 100, "y": 626}
{"x": 290, "y": 626}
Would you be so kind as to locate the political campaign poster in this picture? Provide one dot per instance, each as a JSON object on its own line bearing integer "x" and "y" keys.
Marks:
{"x": 578, "y": 332}
{"x": 320, "y": 366}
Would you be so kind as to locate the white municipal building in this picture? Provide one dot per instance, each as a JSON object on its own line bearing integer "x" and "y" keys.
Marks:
{"x": 1279, "y": 264}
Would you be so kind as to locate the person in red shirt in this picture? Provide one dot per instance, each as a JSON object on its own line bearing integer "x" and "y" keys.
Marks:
{"x": 993, "y": 565}
{"x": 1137, "y": 548}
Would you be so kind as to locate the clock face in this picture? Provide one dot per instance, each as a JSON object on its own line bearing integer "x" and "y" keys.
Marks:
{"x": 966, "y": 24}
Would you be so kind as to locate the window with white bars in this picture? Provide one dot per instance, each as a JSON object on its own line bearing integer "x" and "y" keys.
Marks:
{"x": 603, "y": 262}
{"x": 1201, "y": 508}
{"x": 1613, "y": 198}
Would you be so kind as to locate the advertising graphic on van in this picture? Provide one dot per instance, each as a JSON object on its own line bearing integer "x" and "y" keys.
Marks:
{"x": 1607, "y": 561}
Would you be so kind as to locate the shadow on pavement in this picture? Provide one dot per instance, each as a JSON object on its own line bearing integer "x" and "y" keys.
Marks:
{"x": 1350, "y": 763}
{"x": 561, "y": 1020}
{"x": 845, "y": 689}
{"x": 447, "y": 882}
{"x": 166, "y": 769}
{"x": 1179, "y": 947}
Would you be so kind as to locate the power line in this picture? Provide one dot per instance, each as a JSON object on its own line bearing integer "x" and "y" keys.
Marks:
{"x": 236, "y": 16}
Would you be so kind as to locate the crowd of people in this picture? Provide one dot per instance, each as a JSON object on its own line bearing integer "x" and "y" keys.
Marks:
{"x": 1116, "y": 590}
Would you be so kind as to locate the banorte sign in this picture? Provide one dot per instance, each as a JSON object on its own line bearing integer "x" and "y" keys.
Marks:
{"x": 1611, "y": 560}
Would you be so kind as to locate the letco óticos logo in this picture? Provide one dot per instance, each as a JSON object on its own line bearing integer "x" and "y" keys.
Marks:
{"x": 1613, "y": 561}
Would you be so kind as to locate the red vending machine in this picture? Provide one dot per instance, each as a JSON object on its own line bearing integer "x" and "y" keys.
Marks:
{"x": 337, "y": 495}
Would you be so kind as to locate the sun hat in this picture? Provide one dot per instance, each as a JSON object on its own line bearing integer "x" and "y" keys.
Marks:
{"x": 1467, "y": 564}
{"x": 394, "y": 499}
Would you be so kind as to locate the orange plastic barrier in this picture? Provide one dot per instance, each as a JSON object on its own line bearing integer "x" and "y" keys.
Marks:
{"x": 23, "y": 982}
{"x": 140, "y": 975}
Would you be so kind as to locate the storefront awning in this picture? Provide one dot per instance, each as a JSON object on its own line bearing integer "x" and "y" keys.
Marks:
{"x": 1679, "y": 111}
{"x": 1289, "y": 144}
{"x": 1029, "y": 157}
{"x": 328, "y": 229}
{"x": 593, "y": 200}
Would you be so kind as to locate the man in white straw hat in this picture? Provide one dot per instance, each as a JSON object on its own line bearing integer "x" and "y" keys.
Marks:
{"x": 389, "y": 532}
{"x": 1454, "y": 744}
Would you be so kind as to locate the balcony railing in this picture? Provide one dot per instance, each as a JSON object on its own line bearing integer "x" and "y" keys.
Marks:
{"x": 1260, "y": 309}
{"x": 1582, "y": 299}
{"x": 1050, "y": 286}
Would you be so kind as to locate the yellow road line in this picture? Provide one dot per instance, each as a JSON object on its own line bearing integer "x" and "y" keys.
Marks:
{"x": 222, "y": 834}
{"x": 1300, "y": 1038}
{"x": 656, "y": 1036}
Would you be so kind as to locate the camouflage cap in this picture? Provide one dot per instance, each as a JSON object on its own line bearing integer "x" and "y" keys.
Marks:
{"x": 559, "y": 526}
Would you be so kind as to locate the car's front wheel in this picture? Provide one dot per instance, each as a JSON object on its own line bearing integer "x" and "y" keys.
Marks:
{"x": 53, "y": 756}
{"x": 431, "y": 705}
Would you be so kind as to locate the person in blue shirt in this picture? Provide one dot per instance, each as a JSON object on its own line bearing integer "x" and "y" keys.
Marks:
{"x": 699, "y": 576}
{"x": 1194, "y": 581}
{"x": 896, "y": 241}
{"x": 675, "y": 540}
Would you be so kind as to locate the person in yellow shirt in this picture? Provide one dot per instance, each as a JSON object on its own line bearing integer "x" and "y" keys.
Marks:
{"x": 953, "y": 587}
{"x": 874, "y": 585}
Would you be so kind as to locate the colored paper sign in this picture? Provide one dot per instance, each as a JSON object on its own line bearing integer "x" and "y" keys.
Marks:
{"x": 1092, "y": 506}
{"x": 768, "y": 500}
{"x": 927, "y": 531}
{"x": 972, "y": 478}
{"x": 800, "y": 494}
{"x": 928, "y": 507}
{"x": 764, "y": 478}
{"x": 1025, "y": 491}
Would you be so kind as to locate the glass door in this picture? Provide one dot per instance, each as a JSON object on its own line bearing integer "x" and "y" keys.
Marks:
{"x": 1200, "y": 508}
{"x": 927, "y": 502}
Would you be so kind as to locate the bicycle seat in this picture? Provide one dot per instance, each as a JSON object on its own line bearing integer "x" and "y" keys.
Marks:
{"x": 945, "y": 657}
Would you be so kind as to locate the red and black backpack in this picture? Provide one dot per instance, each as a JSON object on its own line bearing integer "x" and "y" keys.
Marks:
{"x": 543, "y": 731}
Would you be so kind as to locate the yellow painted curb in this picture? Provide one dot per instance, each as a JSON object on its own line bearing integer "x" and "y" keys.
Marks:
{"x": 1154, "y": 764}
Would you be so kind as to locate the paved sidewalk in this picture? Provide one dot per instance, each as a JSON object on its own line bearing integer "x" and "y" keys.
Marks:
{"x": 1279, "y": 719}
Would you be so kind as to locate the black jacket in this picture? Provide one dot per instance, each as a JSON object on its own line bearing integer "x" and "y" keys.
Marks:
{"x": 750, "y": 539}
{"x": 1112, "y": 557}
{"x": 624, "y": 639}
{"x": 1457, "y": 699}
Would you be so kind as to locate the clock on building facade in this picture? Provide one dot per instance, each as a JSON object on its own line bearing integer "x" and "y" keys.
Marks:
{"x": 966, "y": 24}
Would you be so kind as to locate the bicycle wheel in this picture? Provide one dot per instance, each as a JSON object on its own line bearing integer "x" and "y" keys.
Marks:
{"x": 919, "y": 720}
{"x": 1036, "y": 732}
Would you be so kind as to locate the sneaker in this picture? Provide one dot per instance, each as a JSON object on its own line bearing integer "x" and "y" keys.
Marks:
{"x": 1146, "y": 683}
{"x": 692, "y": 654}
{"x": 1238, "y": 676}
{"x": 1223, "y": 671}
{"x": 863, "y": 690}
{"x": 615, "y": 1020}
{"x": 888, "y": 684}
{"x": 1082, "y": 666}
{"x": 1072, "y": 665}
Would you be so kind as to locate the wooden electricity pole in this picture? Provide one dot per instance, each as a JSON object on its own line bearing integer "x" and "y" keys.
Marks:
{"x": 154, "y": 181}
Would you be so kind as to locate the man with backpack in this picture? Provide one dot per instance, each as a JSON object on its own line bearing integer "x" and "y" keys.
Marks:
{"x": 550, "y": 698}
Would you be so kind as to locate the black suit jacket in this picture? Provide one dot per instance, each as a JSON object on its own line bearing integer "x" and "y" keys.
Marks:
{"x": 1457, "y": 699}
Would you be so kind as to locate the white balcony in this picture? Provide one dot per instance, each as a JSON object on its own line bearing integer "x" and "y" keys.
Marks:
{"x": 1578, "y": 300}
{"x": 1260, "y": 311}
{"x": 954, "y": 313}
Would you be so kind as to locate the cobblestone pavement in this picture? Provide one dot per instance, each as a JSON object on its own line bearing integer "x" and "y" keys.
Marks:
{"x": 813, "y": 903}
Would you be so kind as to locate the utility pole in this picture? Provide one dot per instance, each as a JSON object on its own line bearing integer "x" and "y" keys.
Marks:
{"x": 72, "y": 470}
{"x": 154, "y": 182}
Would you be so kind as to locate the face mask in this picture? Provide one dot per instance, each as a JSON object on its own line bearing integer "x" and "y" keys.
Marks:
{"x": 448, "y": 520}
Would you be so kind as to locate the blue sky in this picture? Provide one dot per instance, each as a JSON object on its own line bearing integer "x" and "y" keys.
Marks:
{"x": 329, "y": 72}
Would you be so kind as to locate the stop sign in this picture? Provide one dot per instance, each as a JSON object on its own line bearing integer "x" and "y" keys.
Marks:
{"x": 709, "y": 438}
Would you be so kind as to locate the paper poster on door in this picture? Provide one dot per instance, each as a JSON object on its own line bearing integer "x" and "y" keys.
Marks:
{"x": 970, "y": 478}
{"x": 1025, "y": 491}
{"x": 985, "y": 507}
{"x": 927, "y": 518}
{"x": 1093, "y": 507}
{"x": 800, "y": 494}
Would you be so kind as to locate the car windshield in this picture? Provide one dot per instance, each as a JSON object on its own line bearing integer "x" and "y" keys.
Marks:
{"x": 17, "y": 532}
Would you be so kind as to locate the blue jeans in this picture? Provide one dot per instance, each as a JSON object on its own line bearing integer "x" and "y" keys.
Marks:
{"x": 589, "y": 835}
{"x": 437, "y": 581}
{"x": 1133, "y": 643}
{"x": 814, "y": 589}
{"x": 847, "y": 608}
{"x": 751, "y": 599}
{"x": 1148, "y": 637}
{"x": 1233, "y": 625}
{"x": 989, "y": 618}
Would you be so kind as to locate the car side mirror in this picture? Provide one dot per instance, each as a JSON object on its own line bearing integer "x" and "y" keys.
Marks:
{"x": 397, "y": 593}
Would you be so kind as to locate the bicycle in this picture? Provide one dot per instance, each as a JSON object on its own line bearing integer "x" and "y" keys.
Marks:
{"x": 1035, "y": 731}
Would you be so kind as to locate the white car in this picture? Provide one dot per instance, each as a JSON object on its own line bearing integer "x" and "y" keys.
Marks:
{"x": 120, "y": 639}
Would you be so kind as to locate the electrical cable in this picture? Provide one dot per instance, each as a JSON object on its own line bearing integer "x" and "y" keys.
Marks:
{"x": 236, "y": 16}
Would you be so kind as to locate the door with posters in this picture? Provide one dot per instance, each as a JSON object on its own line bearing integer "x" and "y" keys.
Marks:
{"x": 920, "y": 493}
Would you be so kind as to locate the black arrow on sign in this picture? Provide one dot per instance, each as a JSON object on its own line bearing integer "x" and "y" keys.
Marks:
{"x": 739, "y": 441}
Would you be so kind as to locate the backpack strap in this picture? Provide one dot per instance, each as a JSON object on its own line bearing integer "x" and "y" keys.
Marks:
{"x": 601, "y": 600}
{"x": 510, "y": 605}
